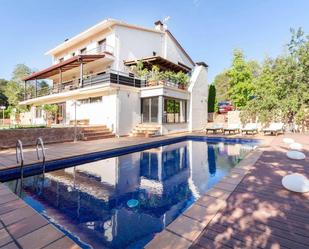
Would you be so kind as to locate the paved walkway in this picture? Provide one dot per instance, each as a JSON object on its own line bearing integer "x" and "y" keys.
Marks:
{"x": 260, "y": 213}
{"x": 70, "y": 149}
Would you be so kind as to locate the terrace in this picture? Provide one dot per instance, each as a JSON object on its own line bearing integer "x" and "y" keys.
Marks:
{"x": 63, "y": 74}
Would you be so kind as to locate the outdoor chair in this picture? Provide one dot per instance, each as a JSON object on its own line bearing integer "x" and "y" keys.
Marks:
{"x": 215, "y": 128}
{"x": 250, "y": 128}
{"x": 234, "y": 128}
{"x": 274, "y": 128}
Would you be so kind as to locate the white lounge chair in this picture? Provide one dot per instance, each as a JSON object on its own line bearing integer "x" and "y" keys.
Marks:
{"x": 232, "y": 128}
{"x": 215, "y": 128}
{"x": 274, "y": 128}
{"x": 250, "y": 128}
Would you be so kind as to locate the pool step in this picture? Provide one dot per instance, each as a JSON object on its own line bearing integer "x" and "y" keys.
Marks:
{"x": 146, "y": 130}
{"x": 96, "y": 132}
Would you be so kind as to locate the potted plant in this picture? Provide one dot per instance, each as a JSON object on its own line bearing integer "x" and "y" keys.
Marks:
{"x": 50, "y": 111}
{"x": 154, "y": 76}
{"x": 182, "y": 79}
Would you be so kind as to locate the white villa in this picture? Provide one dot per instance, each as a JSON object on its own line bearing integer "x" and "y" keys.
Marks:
{"x": 93, "y": 82}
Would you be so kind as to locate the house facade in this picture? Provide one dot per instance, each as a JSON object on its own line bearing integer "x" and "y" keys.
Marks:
{"x": 93, "y": 82}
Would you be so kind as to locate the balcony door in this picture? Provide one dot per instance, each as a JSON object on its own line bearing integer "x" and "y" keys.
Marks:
{"x": 150, "y": 110}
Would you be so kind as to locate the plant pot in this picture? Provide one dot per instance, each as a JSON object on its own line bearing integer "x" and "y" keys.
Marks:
{"x": 152, "y": 82}
{"x": 211, "y": 116}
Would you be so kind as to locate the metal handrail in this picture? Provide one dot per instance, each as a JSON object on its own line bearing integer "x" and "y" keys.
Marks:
{"x": 19, "y": 148}
{"x": 40, "y": 143}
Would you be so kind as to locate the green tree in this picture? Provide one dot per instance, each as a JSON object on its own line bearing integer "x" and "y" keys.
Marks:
{"x": 265, "y": 104}
{"x": 43, "y": 88}
{"x": 3, "y": 98}
{"x": 241, "y": 77}
{"x": 212, "y": 98}
{"x": 20, "y": 71}
{"x": 222, "y": 84}
{"x": 50, "y": 111}
{"x": 14, "y": 89}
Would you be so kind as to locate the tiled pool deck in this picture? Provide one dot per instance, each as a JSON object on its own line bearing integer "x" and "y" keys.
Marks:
{"x": 247, "y": 209}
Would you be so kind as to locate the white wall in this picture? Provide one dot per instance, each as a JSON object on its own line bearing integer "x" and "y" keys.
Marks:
{"x": 198, "y": 99}
{"x": 89, "y": 43}
{"x": 174, "y": 53}
{"x": 174, "y": 128}
{"x": 164, "y": 91}
{"x": 129, "y": 111}
{"x": 97, "y": 113}
{"x": 35, "y": 120}
{"x": 132, "y": 44}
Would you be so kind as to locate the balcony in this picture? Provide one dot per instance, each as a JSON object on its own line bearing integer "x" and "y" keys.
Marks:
{"x": 107, "y": 77}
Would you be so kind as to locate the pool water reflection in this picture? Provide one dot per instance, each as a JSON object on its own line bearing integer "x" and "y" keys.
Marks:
{"x": 122, "y": 202}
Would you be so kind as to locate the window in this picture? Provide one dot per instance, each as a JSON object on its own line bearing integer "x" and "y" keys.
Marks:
{"x": 61, "y": 59}
{"x": 73, "y": 54}
{"x": 175, "y": 111}
{"x": 38, "y": 112}
{"x": 102, "y": 45}
{"x": 83, "y": 51}
{"x": 96, "y": 100}
{"x": 91, "y": 100}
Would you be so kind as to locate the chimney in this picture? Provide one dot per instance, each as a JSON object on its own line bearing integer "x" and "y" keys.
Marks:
{"x": 159, "y": 25}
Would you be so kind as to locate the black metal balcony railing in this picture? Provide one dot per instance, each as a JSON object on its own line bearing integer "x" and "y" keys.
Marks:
{"x": 109, "y": 76}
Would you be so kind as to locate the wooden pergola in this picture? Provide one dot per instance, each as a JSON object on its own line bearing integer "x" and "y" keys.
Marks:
{"x": 58, "y": 69}
{"x": 162, "y": 63}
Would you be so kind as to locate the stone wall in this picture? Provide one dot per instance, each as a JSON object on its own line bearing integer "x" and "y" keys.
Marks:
{"x": 29, "y": 136}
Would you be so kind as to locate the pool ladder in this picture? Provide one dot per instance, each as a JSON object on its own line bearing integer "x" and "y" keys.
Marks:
{"x": 20, "y": 157}
{"x": 20, "y": 154}
{"x": 40, "y": 144}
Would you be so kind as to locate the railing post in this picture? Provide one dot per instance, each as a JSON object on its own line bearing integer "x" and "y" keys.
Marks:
{"x": 36, "y": 88}
{"x": 25, "y": 90}
{"x": 81, "y": 73}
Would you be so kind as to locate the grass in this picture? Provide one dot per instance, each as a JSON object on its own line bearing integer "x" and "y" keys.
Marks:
{"x": 12, "y": 127}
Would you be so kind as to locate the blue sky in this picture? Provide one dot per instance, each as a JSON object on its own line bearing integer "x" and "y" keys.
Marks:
{"x": 208, "y": 30}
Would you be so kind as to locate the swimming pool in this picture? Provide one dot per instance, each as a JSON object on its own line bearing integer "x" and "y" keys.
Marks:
{"x": 122, "y": 201}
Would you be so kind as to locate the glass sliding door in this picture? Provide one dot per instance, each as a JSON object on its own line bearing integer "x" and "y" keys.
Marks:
{"x": 145, "y": 110}
{"x": 154, "y": 110}
{"x": 175, "y": 111}
{"x": 150, "y": 110}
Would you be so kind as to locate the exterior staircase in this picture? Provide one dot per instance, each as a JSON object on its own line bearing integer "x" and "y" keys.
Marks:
{"x": 146, "y": 130}
{"x": 96, "y": 132}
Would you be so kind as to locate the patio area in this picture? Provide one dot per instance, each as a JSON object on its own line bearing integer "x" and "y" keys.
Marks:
{"x": 247, "y": 209}
{"x": 260, "y": 213}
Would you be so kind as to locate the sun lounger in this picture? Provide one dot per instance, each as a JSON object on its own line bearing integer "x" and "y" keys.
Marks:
{"x": 274, "y": 128}
{"x": 235, "y": 128}
{"x": 250, "y": 128}
{"x": 215, "y": 128}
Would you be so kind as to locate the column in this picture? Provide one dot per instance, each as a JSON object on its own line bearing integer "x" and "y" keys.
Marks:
{"x": 160, "y": 110}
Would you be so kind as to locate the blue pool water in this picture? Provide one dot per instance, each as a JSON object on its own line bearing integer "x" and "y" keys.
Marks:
{"x": 121, "y": 202}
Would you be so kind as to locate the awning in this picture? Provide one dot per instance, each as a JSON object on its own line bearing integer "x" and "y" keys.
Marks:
{"x": 162, "y": 63}
{"x": 66, "y": 65}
